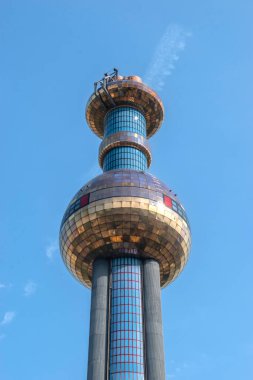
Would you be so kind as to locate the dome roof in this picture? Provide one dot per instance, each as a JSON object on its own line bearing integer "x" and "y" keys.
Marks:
{"x": 124, "y": 212}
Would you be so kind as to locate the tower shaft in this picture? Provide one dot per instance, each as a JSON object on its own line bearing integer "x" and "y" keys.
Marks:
{"x": 120, "y": 348}
{"x": 98, "y": 340}
{"x": 126, "y": 338}
{"x": 153, "y": 321}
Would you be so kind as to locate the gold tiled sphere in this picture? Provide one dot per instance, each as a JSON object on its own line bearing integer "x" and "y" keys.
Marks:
{"x": 129, "y": 91}
{"x": 125, "y": 212}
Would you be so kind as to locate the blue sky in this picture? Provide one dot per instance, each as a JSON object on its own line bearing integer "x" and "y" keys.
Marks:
{"x": 51, "y": 53}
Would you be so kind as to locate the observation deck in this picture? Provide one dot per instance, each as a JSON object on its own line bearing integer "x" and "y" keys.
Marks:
{"x": 114, "y": 91}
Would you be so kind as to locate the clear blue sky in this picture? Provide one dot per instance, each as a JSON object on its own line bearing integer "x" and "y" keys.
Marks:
{"x": 51, "y": 52}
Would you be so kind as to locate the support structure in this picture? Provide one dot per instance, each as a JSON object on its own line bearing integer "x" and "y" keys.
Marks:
{"x": 97, "y": 360}
{"x": 153, "y": 321}
{"x": 125, "y": 234}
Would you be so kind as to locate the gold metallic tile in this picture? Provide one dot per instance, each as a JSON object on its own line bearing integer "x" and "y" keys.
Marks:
{"x": 130, "y": 93}
{"x": 125, "y": 220}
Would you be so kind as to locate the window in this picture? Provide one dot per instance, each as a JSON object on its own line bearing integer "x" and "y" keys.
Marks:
{"x": 84, "y": 200}
{"x": 124, "y": 119}
{"x": 171, "y": 203}
{"x": 125, "y": 157}
{"x": 167, "y": 201}
{"x": 81, "y": 202}
{"x": 126, "y": 333}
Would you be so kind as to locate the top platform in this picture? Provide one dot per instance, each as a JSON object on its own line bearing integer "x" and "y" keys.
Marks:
{"x": 128, "y": 91}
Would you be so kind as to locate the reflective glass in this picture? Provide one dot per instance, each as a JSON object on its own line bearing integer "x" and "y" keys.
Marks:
{"x": 126, "y": 332}
{"x": 125, "y": 157}
{"x": 124, "y": 119}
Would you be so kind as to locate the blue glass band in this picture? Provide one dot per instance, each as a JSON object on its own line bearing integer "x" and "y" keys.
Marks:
{"x": 124, "y": 119}
{"x": 126, "y": 326}
{"x": 125, "y": 157}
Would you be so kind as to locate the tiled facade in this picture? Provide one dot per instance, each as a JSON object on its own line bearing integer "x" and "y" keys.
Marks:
{"x": 130, "y": 220}
{"x": 126, "y": 330}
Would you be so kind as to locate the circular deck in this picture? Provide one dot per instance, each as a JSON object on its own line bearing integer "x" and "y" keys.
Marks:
{"x": 128, "y": 91}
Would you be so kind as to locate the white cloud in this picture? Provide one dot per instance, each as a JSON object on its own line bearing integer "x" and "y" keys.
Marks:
{"x": 2, "y": 286}
{"x": 8, "y": 318}
{"x": 167, "y": 52}
{"x": 30, "y": 288}
{"x": 51, "y": 250}
{"x": 93, "y": 171}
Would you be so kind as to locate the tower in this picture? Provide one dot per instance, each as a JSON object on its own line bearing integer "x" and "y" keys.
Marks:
{"x": 125, "y": 234}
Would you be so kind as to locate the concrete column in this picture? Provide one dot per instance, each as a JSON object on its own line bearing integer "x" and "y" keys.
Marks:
{"x": 97, "y": 360}
{"x": 155, "y": 366}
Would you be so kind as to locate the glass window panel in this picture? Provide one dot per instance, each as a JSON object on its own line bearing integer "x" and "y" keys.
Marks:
{"x": 125, "y": 119}
{"x": 126, "y": 361}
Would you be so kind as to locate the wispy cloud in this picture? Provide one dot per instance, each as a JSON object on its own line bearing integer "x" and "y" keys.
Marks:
{"x": 30, "y": 288}
{"x": 51, "y": 249}
{"x": 93, "y": 171}
{"x": 5, "y": 286}
{"x": 167, "y": 52}
{"x": 8, "y": 318}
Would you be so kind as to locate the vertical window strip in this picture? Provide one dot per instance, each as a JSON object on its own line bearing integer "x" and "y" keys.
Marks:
{"x": 126, "y": 330}
{"x": 124, "y": 119}
{"x": 125, "y": 157}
